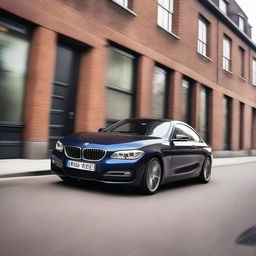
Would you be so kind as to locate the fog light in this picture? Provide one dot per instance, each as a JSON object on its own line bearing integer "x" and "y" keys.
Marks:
{"x": 56, "y": 161}
{"x": 124, "y": 174}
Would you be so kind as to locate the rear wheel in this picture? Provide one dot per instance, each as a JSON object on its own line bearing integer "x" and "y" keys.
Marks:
{"x": 205, "y": 173}
{"x": 152, "y": 177}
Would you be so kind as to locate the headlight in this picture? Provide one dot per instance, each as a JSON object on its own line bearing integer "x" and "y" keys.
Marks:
{"x": 128, "y": 154}
{"x": 59, "y": 146}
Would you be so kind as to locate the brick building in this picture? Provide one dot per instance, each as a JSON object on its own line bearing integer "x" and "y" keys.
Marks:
{"x": 75, "y": 65}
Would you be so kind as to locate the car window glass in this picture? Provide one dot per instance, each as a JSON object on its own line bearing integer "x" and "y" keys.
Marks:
{"x": 185, "y": 131}
{"x": 160, "y": 129}
{"x": 141, "y": 127}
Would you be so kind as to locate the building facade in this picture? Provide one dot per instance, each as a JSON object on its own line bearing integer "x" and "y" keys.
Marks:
{"x": 74, "y": 65}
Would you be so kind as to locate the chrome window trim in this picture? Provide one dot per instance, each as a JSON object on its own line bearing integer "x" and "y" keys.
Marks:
{"x": 105, "y": 152}
{"x": 73, "y": 147}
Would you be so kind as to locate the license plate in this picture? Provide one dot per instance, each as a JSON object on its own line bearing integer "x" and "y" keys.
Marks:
{"x": 80, "y": 165}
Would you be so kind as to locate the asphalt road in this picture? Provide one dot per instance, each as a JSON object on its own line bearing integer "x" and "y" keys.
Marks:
{"x": 44, "y": 216}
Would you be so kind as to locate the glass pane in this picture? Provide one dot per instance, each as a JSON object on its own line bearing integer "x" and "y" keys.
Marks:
{"x": 119, "y": 105}
{"x": 203, "y": 113}
{"x": 186, "y": 100}
{"x": 170, "y": 23}
{"x": 160, "y": 16}
{"x": 122, "y": 2}
{"x": 223, "y": 6}
{"x": 254, "y": 72}
{"x": 226, "y": 123}
{"x": 158, "y": 100}
{"x": 120, "y": 70}
{"x": 13, "y": 67}
{"x": 165, "y": 4}
{"x": 165, "y": 19}
{"x": 241, "y": 23}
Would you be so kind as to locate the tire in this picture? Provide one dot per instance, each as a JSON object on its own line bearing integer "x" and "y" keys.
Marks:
{"x": 68, "y": 179}
{"x": 152, "y": 177}
{"x": 206, "y": 171}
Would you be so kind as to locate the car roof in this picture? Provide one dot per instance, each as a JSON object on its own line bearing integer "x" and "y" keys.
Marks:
{"x": 157, "y": 119}
{"x": 150, "y": 119}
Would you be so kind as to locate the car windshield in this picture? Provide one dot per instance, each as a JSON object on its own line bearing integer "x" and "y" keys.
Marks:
{"x": 152, "y": 128}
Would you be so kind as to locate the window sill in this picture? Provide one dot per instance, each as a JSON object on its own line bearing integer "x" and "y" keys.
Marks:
{"x": 205, "y": 57}
{"x": 124, "y": 8}
{"x": 242, "y": 79}
{"x": 169, "y": 33}
{"x": 228, "y": 72}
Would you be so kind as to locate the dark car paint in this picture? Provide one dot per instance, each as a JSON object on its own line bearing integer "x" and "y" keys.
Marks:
{"x": 179, "y": 162}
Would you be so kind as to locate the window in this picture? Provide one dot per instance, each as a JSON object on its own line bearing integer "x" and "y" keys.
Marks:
{"x": 241, "y": 23}
{"x": 204, "y": 107}
{"x": 165, "y": 14}
{"x": 120, "y": 86}
{"x": 227, "y": 119}
{"x": 241, "y": 125}
{"x": 242, "y": 61}
{"x": 181, "y": 129}
{"x": 159, "y": 93}
{"x": 223, "y": 6}
{"x": 202, "y": 37}
{"x": 186, "y": 91}
{"x": 14, "y": 50}
{"x": 254, "y": 72}
{"x": 227, "y": 53}
{"x": 123, "y": 3}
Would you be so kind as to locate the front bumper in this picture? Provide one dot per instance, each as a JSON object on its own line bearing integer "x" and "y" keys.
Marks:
{"x": 114, "y": 171}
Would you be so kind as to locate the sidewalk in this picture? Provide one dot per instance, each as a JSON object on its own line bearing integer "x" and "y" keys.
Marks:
{"x": 28, "y": 167}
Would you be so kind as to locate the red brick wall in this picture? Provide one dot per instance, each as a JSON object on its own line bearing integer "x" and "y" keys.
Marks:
{"x": 85, "y": 21}
{"x": 145, "y": 74}
{"x": 216, "y": 120}
{"x": 39, "y": 85}
{"x": 90, "y": 103}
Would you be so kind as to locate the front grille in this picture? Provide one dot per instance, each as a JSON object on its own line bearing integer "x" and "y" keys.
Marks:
{"x": 93, "y": 154}
{"x": 73, "y": 152}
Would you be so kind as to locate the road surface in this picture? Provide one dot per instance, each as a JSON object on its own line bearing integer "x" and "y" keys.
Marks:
{"x": 45, "y": 216}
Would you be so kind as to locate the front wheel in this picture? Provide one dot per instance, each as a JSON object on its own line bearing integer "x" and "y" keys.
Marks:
{"x": 152, "y": 177}
{"x": 205, "y": 173}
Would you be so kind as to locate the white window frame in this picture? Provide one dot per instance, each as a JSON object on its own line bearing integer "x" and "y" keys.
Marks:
{"x": 227, "y": 53}
{"x": 241, "y": 23}
{"x": 223, "y": 5}
{"x": 202, "y": 43}
{"x": 165, "y": 14}
{"x": 123, "y": 3}
{"x": 254, "y": 71}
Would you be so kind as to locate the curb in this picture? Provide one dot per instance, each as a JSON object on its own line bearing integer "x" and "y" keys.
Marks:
{"x": 26, "y": 174}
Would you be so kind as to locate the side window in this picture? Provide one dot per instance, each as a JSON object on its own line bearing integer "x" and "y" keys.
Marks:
{"x": 186, "y": 131}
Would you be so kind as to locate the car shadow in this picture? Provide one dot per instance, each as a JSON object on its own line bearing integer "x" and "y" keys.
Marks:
{"x": 100, "y": 188}
{"x": 179, "y": 185}
{"x": 122, "y": 190}
{"x": 248, "y": 237}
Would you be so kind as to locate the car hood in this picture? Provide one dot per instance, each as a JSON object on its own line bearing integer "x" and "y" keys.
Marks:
{"x": 110, "y": 141}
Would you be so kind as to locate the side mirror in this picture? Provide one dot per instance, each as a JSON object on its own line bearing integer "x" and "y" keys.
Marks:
{"x": 180, "y": 137}
{"x": 101, "y": 130}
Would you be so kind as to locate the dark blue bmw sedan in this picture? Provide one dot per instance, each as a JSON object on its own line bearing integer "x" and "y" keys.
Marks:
{"x": 139, "y": 152}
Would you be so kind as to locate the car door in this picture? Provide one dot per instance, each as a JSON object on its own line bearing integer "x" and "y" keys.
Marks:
{"x": 183, "y": 160}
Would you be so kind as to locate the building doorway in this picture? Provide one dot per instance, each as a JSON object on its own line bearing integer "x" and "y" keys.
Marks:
{"x": 62, "y": 112}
